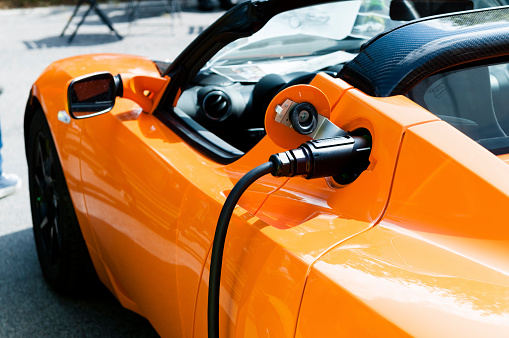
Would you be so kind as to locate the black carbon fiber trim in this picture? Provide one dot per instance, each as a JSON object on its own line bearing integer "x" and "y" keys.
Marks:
{"x": 393, "y": 63}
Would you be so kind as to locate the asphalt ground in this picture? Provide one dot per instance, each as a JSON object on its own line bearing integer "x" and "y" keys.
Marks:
{"x": 29, "y": 41}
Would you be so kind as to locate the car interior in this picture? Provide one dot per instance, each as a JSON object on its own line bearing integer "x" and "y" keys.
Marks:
{"x": 235, "y": 111}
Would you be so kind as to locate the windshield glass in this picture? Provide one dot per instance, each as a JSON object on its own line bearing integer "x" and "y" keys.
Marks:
{"x": 306, "y": 39}
{"x": 473, "y": 100}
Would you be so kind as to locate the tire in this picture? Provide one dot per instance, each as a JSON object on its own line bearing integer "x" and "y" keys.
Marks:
{"x": 61, "y": 249}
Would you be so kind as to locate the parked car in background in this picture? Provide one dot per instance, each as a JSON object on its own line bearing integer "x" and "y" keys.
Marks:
{"x": 400, "y": 228}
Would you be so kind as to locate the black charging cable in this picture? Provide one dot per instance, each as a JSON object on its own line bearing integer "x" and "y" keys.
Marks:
{"x": 216, "y": 258}
{"x": 313, "y": 159}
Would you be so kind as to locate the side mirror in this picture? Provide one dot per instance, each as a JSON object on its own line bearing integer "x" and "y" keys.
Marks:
{"x": 406, "y": 10}
{"x": 93, "y": 94}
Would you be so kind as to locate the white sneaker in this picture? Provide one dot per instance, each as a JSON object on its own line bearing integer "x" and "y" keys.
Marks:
{"x": 9, "y": 184}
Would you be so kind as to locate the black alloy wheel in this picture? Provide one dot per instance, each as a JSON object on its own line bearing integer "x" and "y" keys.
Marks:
{"x": 47, "y": 200}
{"x": 61, "y": 249}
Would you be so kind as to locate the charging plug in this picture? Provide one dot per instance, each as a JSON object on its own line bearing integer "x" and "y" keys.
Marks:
{"x": 344, "y": 157}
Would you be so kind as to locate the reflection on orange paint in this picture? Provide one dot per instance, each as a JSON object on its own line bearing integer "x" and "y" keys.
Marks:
{"x": 403, "y": 286}
{"x": 456, "y": 196}
{"x": 422, "y": 221}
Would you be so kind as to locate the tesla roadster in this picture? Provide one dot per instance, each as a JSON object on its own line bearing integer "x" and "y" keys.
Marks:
{"x": 303, "y": 169}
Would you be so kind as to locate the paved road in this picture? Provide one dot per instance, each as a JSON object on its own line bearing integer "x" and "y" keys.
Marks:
{"x": 29, "y": 41}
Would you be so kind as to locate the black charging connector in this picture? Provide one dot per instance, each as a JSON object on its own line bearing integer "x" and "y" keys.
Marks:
{"x": 343, "y": 158}
{"x": 321, "y": 158}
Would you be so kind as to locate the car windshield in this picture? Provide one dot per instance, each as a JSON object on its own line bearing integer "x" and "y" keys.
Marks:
{"x": 305, "y": 39}
{"x": 473, "y": 100}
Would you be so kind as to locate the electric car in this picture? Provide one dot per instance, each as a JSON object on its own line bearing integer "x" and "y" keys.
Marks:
{"x": 303, "y": 169}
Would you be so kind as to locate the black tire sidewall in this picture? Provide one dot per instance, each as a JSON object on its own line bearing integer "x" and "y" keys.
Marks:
{"x": 73, "y": 269}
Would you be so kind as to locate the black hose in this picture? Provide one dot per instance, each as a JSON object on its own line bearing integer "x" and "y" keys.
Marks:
{"x": 216, "y": 258}
{"x": 344, "y": 157}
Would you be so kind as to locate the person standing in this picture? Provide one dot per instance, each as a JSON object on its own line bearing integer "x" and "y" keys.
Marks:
{"x": 9, "y": 183}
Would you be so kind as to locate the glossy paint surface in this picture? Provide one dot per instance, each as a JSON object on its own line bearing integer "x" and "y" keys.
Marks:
{"x": 388, "y": 282}
{"x": 418, "y": 238}
{"x": 156, "y": 235}
{"x": 50, "y": 90}
{"x": 436, "y": 265}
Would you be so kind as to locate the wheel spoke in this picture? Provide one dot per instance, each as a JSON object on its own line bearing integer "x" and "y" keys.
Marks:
{"x": 45, "y": 233}
{"x": 39, "y": 169}
{"x": 51, "y": 248}
{"x": 57, "y": 240}
{"x": 40, "y": 187}
{"x": 47, "y": 170}
{"x": 50, "y": 156}
{"x": 37, "y": 181}
{"x": 44, "y": 161}
{"x": 44, "y": 222}
{"x": 47, "y": 199}
{"x": 40, "y": 157}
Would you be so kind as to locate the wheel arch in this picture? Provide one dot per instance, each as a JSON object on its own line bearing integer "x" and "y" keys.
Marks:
{"x": 33, "y": 104}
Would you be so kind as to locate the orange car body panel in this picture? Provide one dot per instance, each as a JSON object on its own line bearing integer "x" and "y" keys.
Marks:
{"x": 148, "y": 204}
{"x": 436, "y": 264}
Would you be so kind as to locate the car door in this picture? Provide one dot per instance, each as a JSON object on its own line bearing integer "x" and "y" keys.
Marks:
{"x": 133, "y": 198}
{"x": 152, "y": 201}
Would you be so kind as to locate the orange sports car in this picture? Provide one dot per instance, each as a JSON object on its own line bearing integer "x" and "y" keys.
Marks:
{"x": 304, "y": 168}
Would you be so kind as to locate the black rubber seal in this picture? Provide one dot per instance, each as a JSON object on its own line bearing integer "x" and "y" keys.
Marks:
{"x": 304, "y": 126}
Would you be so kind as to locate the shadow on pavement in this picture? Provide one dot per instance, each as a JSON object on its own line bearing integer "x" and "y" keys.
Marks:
{"x": 79, "y": 40}
{"x": 119, "y": 22}
{"x": 125, "y": 14}
{"x": 28, "y": 307}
